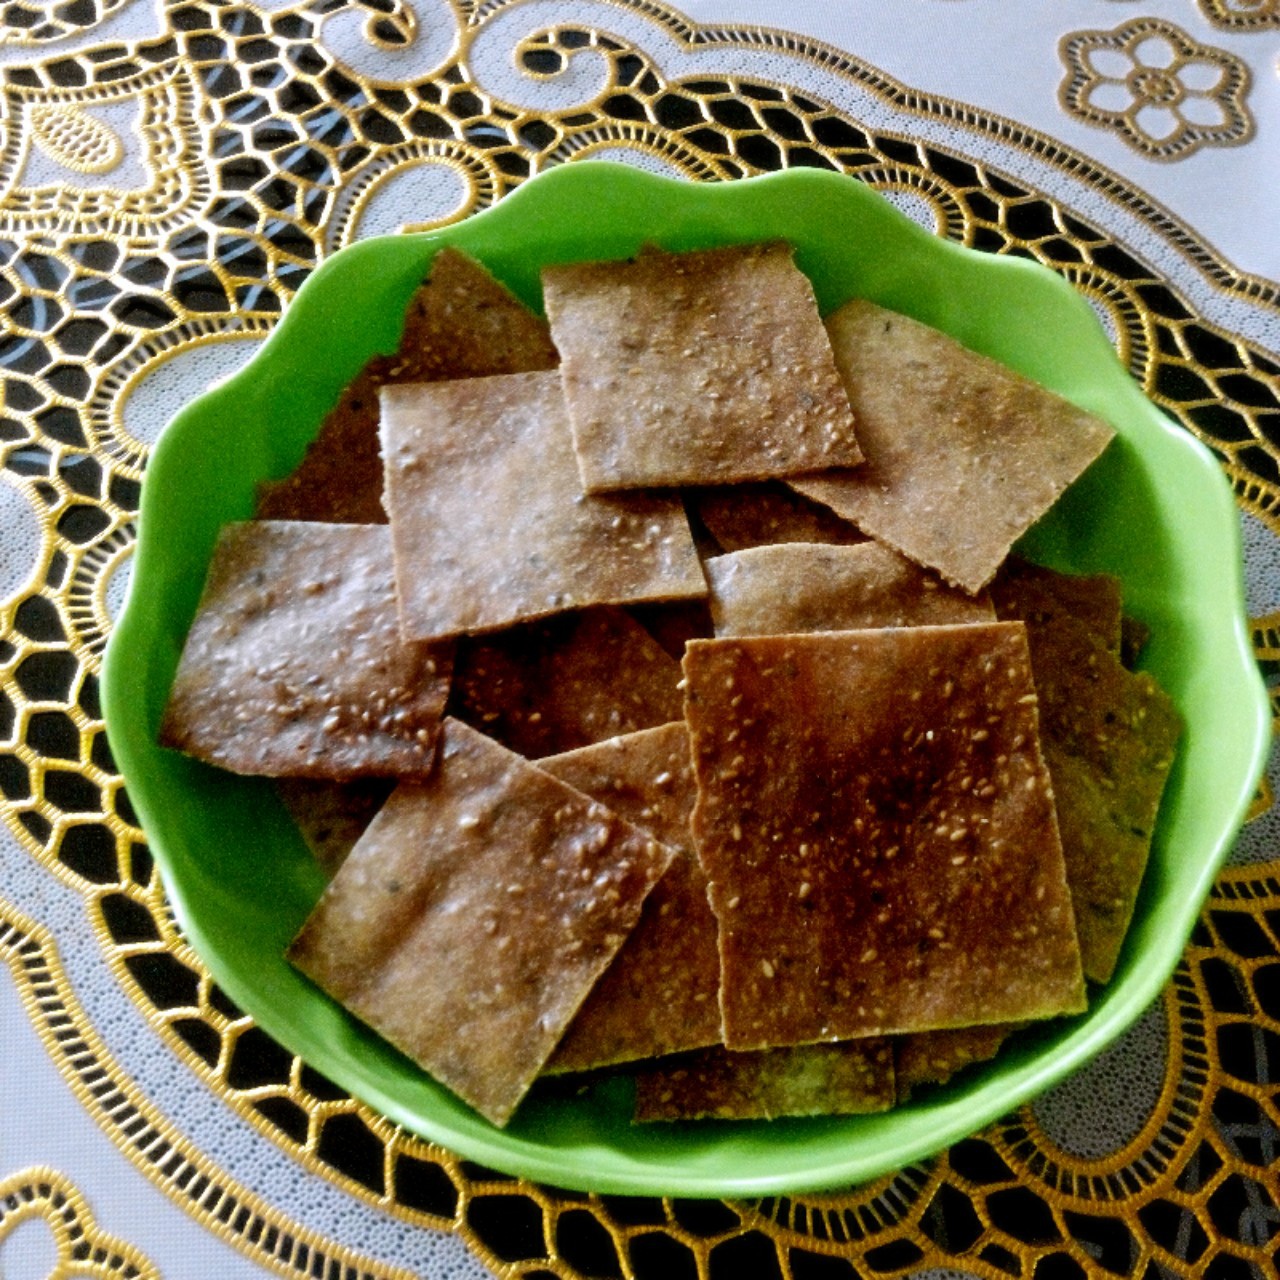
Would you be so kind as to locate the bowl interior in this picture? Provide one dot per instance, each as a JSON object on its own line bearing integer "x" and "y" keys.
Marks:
{"x": 1155, "y": 510}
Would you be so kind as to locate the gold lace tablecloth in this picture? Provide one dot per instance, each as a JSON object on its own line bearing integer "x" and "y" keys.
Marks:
{"x": 165, "y": 187}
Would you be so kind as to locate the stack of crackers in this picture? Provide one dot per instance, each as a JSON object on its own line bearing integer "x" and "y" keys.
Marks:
{"x": 658, "y": 686}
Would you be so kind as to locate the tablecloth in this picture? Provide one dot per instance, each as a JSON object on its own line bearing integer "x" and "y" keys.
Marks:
{"x": 170, "y": 173}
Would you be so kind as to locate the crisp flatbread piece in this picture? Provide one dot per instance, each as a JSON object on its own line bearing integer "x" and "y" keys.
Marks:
{"x": 852, "y": 1078}
{"x": 697, "y": 368}
{"x": 488, "y": 519}
{"x": 877, "y": 825}
{"x": 674, "y": 625}
{"x": 461, "y": 323}
{"x": 1038, "y": 596}
{"x": 295, "y": 665}
{"x": 1110, "y": 738}
{"x": 962, "y": 454}
{"x": 475, "y": 914}
{"x": 553, "y": 686}
{"x": 332, "y": 816}
{"x": 661, "y": 993}
{"x": 1134, "y": 635}
{"x": 933, "y": 1057}
{"x": 756, "y": 515}
{"x": 805, "y": 586}
{"x": 339, "y": 479}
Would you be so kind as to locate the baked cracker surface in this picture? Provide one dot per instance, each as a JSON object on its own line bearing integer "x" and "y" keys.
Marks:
{"x": 962, "y": 454}
{"x": 661, "y": 993}
{"x": 933, "y": 1057}
{"x": 488, "y": 519}
{"x": 294, "y": 664}
{"x": 565, "y": 682}
{"x": 756, "y": 515}
{"x": 697, "y": 368}
{"x": 877, "y": 825}
{"x": 802, "y": 586}
{"x": 1041, "y": 597}
{"x": 851, "y": 1078}
{"x": 475, "y": 914}
{"x": 460, "y": 323}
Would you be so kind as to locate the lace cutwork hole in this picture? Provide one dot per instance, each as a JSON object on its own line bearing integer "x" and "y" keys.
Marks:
{"x": 29, "y": 1251}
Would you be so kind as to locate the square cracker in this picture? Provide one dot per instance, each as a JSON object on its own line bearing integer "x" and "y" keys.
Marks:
{"x": 877, "y": 824}
{"x": 933, "y": 1057}
{"x": 461, "y": 323}
{"x": 660, "y": 994}
{"x": 1110, "y": 736}
{"x": 739, "y": 516}
{"x": 488, "y": 519}
{"x": 963, "y": 454}
{"x": 803, "y": 586}
{"x": 332, "y": 816}
{"x": 474, "y": 915}
{"x": 673, "y": 625}
{"x": 566, "y": 682}
{"x": 852, "y": 1078}
{"x": 1041, "y": 597}
{"x": 295, "y": 665}
{"x": 1134, "y": 635}
{"x": 697, "y": 368}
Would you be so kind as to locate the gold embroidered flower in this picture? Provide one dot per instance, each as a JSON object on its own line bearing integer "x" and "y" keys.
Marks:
{"x": 1162, "y": 92}
{"x": 1242, "y": 13}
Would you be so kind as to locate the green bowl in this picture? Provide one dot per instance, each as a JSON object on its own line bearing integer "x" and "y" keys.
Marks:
{"x": 1155, "y": 511}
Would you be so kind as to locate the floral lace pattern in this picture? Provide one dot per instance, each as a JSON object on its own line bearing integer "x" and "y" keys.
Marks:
{"x": 79, "y": 1250}
{"x": 1162, "y": 92}
{"x": 1247, "y": 14}
{"x": 163, "y": 194}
